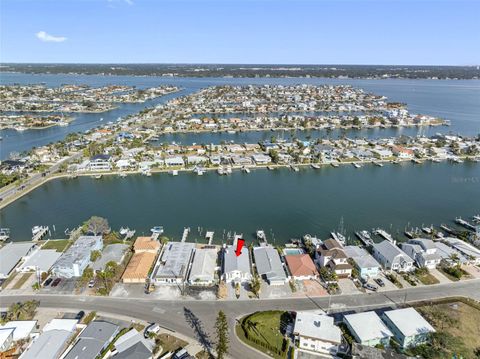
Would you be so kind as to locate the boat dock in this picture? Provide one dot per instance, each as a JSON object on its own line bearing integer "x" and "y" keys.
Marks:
{"x": 39, "y": 232}
{"x": 464, "y": 223}
{"x": 186, "y": 232}
{"x": 209, "y": 237}
{"x": 4, "y": 234}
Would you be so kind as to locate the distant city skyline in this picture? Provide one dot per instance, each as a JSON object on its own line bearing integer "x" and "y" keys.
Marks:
{"x": 428, "y": 32}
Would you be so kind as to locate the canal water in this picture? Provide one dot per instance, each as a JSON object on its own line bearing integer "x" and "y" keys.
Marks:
{"x": 455, "y": 100}
{"x": 283, "y": 203}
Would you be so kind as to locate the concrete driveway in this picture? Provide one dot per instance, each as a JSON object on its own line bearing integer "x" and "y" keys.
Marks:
{"x": 347, "y": 286}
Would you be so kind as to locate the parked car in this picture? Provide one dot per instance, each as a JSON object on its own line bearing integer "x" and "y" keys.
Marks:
{"x": 91, "y": 284}
{"x": 47, "y": 282}
{"x": 80, "y": 315}
{"x": 181, "y": 354}
{"x": 370, "y": 287}
{"x": 56, "y": 282}
{"x": 380, "y": 282}
{"x": 152, "y": 328}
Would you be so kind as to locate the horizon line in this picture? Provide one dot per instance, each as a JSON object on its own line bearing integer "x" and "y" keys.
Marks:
{"x": 226, "y": 64}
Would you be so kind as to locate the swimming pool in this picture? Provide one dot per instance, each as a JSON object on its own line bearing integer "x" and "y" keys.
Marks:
{"x": 293, "y": 251}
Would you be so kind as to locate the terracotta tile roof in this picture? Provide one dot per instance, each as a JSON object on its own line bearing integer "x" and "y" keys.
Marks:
{"x": 301, "y": 265}
{"x": 139, "y": 266}
{"x": 146, "y": 244}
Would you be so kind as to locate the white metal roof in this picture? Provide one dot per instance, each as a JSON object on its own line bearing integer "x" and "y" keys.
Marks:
{"x": 204, "y": 263}
{"x": 317, "y": 326}
{"x": 367, "y": 326}
{"x": 409, "y": 321}
{"x": 22, "y": 328}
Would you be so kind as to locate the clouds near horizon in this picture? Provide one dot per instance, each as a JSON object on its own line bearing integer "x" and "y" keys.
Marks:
{"x": 46, "y": 37}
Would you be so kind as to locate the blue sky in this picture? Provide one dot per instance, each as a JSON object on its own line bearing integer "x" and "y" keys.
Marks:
{"x": 442, "y": 32}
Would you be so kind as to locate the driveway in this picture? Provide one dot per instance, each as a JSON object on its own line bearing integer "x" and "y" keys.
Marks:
{"x": 275, "y": 291}
{"x": 474, "y": 271}
{"x": 347, "y": 286}
{"x": 439, "y": 275}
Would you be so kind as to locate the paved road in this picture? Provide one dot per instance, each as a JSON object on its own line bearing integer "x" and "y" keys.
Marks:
{"x": 196, "y": 318}
{"x": 36, "y": 178}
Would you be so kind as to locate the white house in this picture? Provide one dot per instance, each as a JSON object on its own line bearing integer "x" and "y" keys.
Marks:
{"x": 203, "y": 267}
{"x": 408, "y": 326}
{"x": 100, "y": 163}
{"x": 174, "y": 161}
{"x": 261, "y": 159}
{"x": 423, "y": 252}
{"x": 368, "y": 329}
{"x": 236, "y": 268}
{"x": 391, "y": 257}
{"x": 317, "y": 333}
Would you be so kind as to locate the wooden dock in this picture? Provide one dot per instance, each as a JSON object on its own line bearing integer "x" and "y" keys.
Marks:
{"x": 209, "y": 237}
{"x": 40, "y": 234}
{"x": 186, "y": 232}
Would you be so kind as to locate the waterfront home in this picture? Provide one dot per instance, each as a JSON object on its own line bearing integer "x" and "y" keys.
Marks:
{"x": 331, "y": 254}
{"x": 41, "y": 260}
{"x": 12, "y": 254}
{"x": 317, "y": 333}
{"x": 93, "y": 340}
{"x": 408, "y": 326}
{"x": 139, "y": 267}
{"x": 269, "y": 266}
{"x": 469, "y": 251}
{"x": 124, "y": 164}
{"x": 368, "y": 329}
{"x": 204, "y": 266}
{"x": 366, "y": 265}
{"x": 133, "y": 345}
{"x": 402, "y": 153}
{"x": 450, "y": 256}
{"x": 76, "y": 258}
{"x": 113, "y": 252}
{"x": 238, "y": 160}
{"x": 391, "y": 257}
{"x": 195, "y": 160}
{"x": 215, "y": 160}
{"x": 146, "y": 244}
{"x": 423, "y": 251}
{"x": 261, "y": 159}
{"x": 53, "y": 340}
{"x": 172, "y": 266}
{"x": 301, "y": 267}
{"x": 174, "y": 161}
{"x": 236, "y": 268}
{"x": 382, "y": 153}
{"x": 102, "y": 162}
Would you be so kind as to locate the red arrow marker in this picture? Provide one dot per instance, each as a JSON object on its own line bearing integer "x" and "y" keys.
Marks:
{"x": 240, "y": 243}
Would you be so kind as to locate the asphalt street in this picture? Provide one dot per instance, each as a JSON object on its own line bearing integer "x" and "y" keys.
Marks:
{"x": 196, "y": 318}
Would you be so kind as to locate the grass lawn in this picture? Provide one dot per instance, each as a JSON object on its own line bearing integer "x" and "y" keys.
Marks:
{"x": 449, "y": 276}
{"x": 427, "y": 278}
{"x": 203, "y": 355}
{"x": 262, "y": 331}
{"x": 60, "y": 245}
{"x": 170, "y": 343}
{"x": 22, "y": 280}
{"x": 464, "y": 323}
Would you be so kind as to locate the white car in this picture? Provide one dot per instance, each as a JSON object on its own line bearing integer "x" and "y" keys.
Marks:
{"x": 152, "y": 328}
